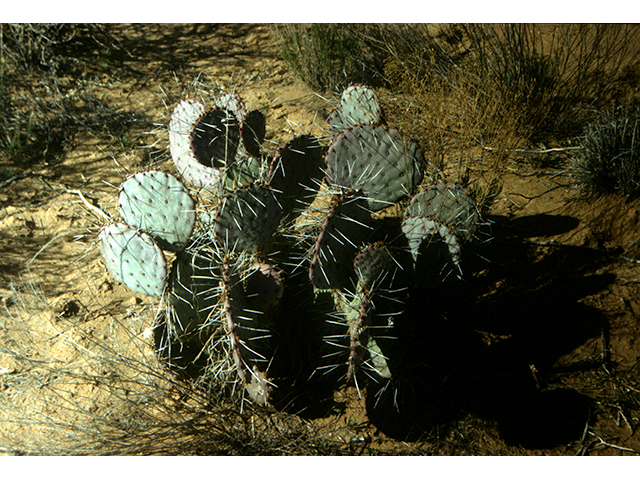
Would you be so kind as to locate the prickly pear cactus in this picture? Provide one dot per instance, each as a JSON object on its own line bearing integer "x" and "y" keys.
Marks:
{"x": 358, "y": 106}
{"x": 376, "y": 160}
{"x": 183, "y": 120}
{"x": 241, "y": 254}
{"x": 450, "y": 204}
{"x": 343, "y": 231}
{"x": 247, "y": 219}
{"x": 133, "y": 258}
{"x": 160, "y": 205}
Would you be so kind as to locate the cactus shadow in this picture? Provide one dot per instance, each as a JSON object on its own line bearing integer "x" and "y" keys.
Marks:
{"x": 487, "y": 345}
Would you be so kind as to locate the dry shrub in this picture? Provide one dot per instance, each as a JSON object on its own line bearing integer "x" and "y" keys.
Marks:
{"x": 327, "y": 57}
{"x": 609, "y": 161}
{"x": 44, "y": 72}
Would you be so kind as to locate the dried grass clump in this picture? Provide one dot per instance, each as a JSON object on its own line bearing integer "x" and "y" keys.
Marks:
{"x": 609, "y": 161}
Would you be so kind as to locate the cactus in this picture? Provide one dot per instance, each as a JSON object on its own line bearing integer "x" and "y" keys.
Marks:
{"x": 218, "y": 147}
{"x": 247, "y": 219}
{"x": 450, "y": 204}
{"x": 215, "y": 138}
{"x": 133, "y": 258}
{"x": 160, "y": 205}
{"x": 358, "y": 106}
{"x": 343, "y": 230}
{"x": 378, "y": 299}
{"x": 376, "y": 160}
{"x": 295, "y": 173}
{"x": 434, "y": 248}
{"x": 184, "y": 117}
{"x": 236, "y": 260}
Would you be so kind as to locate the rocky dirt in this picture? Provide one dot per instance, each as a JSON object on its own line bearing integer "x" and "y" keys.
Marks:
{"x": 537, "y": 355}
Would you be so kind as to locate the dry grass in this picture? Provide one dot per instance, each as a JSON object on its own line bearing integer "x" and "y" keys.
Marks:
{"x": 72, "y": 390}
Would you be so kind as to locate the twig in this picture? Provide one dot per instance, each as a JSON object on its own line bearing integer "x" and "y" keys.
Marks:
{"x": 535, "y": 152}
{"x": 611, "y": 445}
{"x": 99, "y": 212}
{"x": 11, "y": 179}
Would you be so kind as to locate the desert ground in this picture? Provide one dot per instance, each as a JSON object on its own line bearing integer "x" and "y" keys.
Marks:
{"x": 538, "y": 355}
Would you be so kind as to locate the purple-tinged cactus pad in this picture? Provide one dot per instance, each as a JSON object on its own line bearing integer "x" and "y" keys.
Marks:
{"x": 344, "y": 230}
{"x": 133, "y": 258}
{"x": 215, "y": 138}
{"x": 247, "y": 218}
{"x": 358, "y": 106}
{"x": 449, "y": 203}
{"x": 183, "y": 119}
{"x": 160, "y": 205}
{"x": 376, "y": 160}
{"x": 232, "y": 102}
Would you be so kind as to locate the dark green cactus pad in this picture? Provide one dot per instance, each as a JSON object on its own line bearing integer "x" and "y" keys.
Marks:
{"x": 249, "y": 337}
{"x": 244, "y": 170}
{"x": 215, "y": 138}
{"x": 253, "y": 131}
{"x": 192, "y": 296}
{"x": 449, "y": 203}
{"x": 358, "y": 106}
{"x": 296, "y": 173}
{"x": 160, "y": 205}
{"x": 133, "y": 258}
{"x": 435, "y": 249}
{"x": 376, "y": 160}
{"x": 247, "y": 218}
{"x": 184, "y": 117}
{"x": 343, "y": 231}
{"x": 373, "y": 262}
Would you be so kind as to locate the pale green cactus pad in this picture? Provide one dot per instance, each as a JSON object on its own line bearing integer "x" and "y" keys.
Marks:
{"x": 159, "y": 204}
{"x": 133, "y": 258}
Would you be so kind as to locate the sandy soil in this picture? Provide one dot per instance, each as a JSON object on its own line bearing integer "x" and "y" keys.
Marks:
{"x": 538, "y": 355}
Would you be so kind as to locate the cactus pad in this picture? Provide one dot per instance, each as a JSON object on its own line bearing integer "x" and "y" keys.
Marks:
{"x": 295, "y": 172}
{"x": 377, "y": 161}
{"x": 215, "y": 138}
{"x": 372, "y": 262}
{"x": 184, "y": 117}
{"x": 449, "y": 203}
{"x": 434, "y": 247}
{"x": 133, "y": 258}
{"x": 358, "y": 106}
{"x": 247, "y": 218}
{"x": 252, "y": 131}
{"x": 343, "y": 231}
{"x": 192, "y": 295}
{"x": 160, "y": 205}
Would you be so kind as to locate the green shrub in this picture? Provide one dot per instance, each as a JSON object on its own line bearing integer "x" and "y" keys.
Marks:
{"x": 327, "y": 56}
